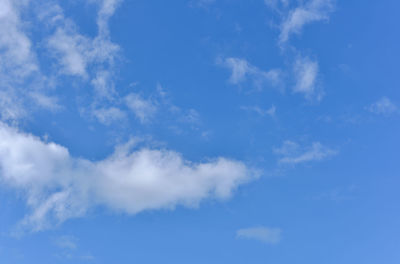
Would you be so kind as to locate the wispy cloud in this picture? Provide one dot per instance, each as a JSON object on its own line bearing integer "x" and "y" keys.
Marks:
{"x": 305, "y": 13}
{"x": 201, "y": 3}
{"x": 59, "y": 186}
{"x": 263, "y": 234}
{"x": 306, "y": 78}
{"x": 243, "y": 71}
{"x": 262, "y": 112}
{"x": 66, "y": 242}
{"x": 338, "y": 194}
{"x": 144, "y": 109}
{"x": 89, "y": 58}
{"x": 110, "y": 115}
{"x": 277, "y": 4}
{"x": 76, "y": 52}
{"x": 383, "y": 106}
{"x": 21, "y": 81}
{"x": 292, "y": 153}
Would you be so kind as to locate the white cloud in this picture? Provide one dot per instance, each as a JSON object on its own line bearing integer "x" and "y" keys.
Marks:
{"x": 71, "y": 49}
{"x": 21, "y": 82}
{"x": 107, "y": 9}
{"x": 10, "y": 105}
{"x": 76, "y": 52}
{"x": 144, "y": 109}
{"x": 297, "y": 18}
{"x": 107, "y": 116}
{"x": 263, "y": 234}
{"x": 383, "y": 106}
{"x": 292, "y": 153}
{"x": 306, "y": 77}
{"x": 17, "y": 58}
{"x": 58, "y": 186}
{"x": 242, "y": 71}
{"x": 45, "y": 101}
{"x": 104, "y": 85}
{"x": 87, "y": 57}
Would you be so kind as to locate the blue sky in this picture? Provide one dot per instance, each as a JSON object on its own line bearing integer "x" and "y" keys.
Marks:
{"x": 199, "y": 131}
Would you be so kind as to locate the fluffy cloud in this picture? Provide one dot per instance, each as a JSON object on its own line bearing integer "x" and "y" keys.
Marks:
{"x": 383, "y": 106}
{"x": 263, "y": 234}
{"x": 292, "y": 153}
{"x": 58, "y": 186}
{"x": 242, "y": 71}
{"x": 297, "y": 18}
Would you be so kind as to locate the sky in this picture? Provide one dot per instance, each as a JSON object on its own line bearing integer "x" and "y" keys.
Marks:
{"x": 199, "y": 131}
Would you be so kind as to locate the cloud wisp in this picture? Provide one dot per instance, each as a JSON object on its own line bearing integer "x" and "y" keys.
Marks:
{"x": 263, "y": 234}
{"x": 21, "y": 81}
{"x": 58, "y": 186}
{"x": 262, "y": 112}
{"x": 243, "y": 71}
{"x": 292, "y": 153}
{"x": 306, "y": 78}
{"x": 306, "y": 13}
{"x": 383, "y": 106}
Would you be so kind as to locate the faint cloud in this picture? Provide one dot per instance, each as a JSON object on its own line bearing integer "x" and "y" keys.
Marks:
{"x": 337, "y": 194}
{"x": 306, "y": 77}
{"x": 383, "y": 106}
{"x": 144, "y": 109}
{"x": 87, "y": 257}
{"x": 292, "y": 153}
{"x": 262, "y": 112}
{"x": 262, "y": 234}
{"x": 277, "y": 4}
{"x": 306, "y": 13}
{"x": 243, "y": 71}
{"x": 46, "y": 101}
{"x": 66, "y": 242}
{"x": 201, "y": 3}
{"x": 22, "y": 84}
{"x": 107, "y": 116}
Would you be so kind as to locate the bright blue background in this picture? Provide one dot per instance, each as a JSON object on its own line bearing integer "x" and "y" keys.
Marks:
{"x": 176, "y": 45}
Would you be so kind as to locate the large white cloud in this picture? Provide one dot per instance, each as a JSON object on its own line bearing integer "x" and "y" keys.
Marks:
{"x": 58, "y": 186}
